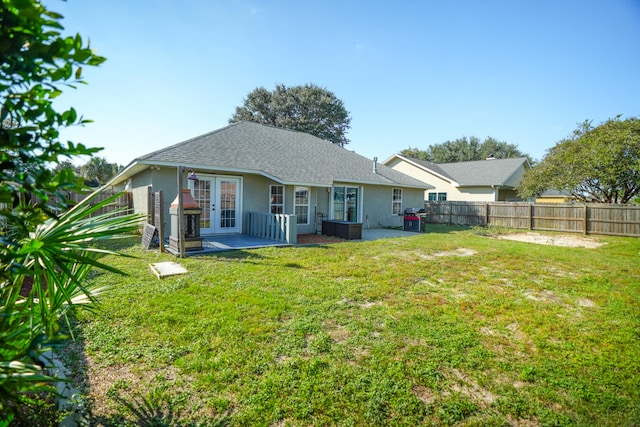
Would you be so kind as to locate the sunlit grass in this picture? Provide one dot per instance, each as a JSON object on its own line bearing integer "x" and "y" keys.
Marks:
{"x": 442, "y": 328}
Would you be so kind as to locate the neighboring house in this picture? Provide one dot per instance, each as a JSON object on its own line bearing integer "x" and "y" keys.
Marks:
{"x": 555, "y": 196}
{"x": 249, "y": 167}
{"x": 481, "y": 180}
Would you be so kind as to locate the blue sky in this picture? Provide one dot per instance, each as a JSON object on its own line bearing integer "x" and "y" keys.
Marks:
{"x": 411, "y": 73}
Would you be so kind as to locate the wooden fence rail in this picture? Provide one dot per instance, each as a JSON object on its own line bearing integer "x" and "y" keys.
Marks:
{"x": 124, "y": 203}
{"x": 605, "y": 219}
{"x": 278, "y": 227}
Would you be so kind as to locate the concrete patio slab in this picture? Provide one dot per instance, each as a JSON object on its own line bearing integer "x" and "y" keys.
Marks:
{"x": 385, "y": 233}
{"x": 227, "y": 242}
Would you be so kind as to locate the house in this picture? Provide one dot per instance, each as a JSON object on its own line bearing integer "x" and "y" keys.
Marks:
{"x": 483, "y": 180}
{"x": 248, "y": 167}
{"x": 555, "y": 196}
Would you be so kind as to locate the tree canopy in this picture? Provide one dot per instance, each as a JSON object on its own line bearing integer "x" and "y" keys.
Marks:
{"x": 45, "y": 254}
{"x": 465, "y": 149}
{"x": 37, "y": 62}
{"x": 308, "y": 108}
{"x": 96, "y": 172}
{"x": 595, "y": 164}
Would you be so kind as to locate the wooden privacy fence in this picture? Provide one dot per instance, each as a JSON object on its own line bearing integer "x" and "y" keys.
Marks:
{"x": 124, "y": 202}
{"x": 606, "y": 219}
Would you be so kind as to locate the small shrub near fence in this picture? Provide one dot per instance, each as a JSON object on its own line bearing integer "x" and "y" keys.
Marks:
{"x": 614, "y": 220}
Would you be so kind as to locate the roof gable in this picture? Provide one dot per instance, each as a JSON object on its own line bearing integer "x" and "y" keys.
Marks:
{"x": 290, "y": 157}
{"x": 475, "y": 173}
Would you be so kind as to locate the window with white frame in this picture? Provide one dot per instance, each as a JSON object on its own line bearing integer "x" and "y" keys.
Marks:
{"x": 396, "y": 201}
{"x": 301, "y": 205}
{"x": 276, "y": 199}
{"x": 437, "y": 197}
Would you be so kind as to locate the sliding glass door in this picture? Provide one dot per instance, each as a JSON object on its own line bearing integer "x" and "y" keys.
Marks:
{"x": 346, "y": 204}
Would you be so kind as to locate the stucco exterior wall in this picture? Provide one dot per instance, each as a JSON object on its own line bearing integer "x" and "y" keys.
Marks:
{"x": 257, "y": 193}
{"x": 508, "y": 195}
{"x": 552, "y": 199}
{"x": 163, "y": 179}
{"x": 378, "y": 205}
{"x": 472, "y": 194}
{"x": 376, "y": 200}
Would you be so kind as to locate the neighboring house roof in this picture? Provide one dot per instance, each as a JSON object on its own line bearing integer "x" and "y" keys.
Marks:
{"x": 477, "y": 173}
{"x": 556, "y": 193}
{"x": 287, "y": 156}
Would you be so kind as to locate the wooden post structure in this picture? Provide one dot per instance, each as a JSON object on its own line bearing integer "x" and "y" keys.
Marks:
{"x": 158, "y": 217}
{"x": 180, "y": 214}
{"x": 150, "y": 206}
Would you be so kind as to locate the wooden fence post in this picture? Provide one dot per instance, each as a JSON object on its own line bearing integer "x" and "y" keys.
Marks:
{"x": 486, "y": 214}
{"x": 530, "y": 216}
{"x": 586, "y": 218}
{"x": 150, "y": 205}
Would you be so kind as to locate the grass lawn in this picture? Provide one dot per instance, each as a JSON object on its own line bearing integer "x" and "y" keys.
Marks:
{"x": 443, "y": 328}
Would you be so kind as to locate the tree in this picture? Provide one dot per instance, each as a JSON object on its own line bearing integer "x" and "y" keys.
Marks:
{"x": 466, "y": 149}
{"x": 595, "y": 164}
{"x": 67, "y": 164}
{"x": 45, "y": 255}
{"x": 98, "y": 171}
{"x": 307, "y": 108}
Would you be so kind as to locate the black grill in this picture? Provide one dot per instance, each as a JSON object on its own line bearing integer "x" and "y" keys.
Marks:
{"x": 412, "y": 219}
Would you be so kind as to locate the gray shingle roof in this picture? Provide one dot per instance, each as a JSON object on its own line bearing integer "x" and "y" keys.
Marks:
{"x": 477, "y": 172}
{"x": 289, "y": 156}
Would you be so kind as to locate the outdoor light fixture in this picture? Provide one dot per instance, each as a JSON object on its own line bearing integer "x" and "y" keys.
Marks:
{"x": 192, "y": 176}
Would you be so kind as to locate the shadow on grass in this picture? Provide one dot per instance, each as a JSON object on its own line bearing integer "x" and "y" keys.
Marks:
{"x": 152, "y": 409}
{"x": 142, "y": 411}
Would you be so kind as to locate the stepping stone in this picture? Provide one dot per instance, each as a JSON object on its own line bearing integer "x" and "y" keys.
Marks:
{"x": 165, "y": 269}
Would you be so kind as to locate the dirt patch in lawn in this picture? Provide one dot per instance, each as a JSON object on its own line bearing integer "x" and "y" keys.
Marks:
{"x": 556, "y": 240}
{"x": 460, "y": 252}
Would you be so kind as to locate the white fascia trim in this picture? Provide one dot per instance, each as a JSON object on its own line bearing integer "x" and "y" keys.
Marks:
{"x": 391, "y": 158}
{"x": 419, "y": 166}
{"x": 216, "y": 168}
{"x": 123, "y": 175}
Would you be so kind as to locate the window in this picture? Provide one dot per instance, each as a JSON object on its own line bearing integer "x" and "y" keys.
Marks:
{"x": 346, "y": 203}
{"x": 437, "y": 197}
{"x": 301, "y": 205}
{"x": 396, "y": 201}
{"x": 276, "y": 199}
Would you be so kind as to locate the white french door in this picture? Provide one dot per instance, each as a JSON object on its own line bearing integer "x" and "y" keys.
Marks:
{"x": 220, "y": 200}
